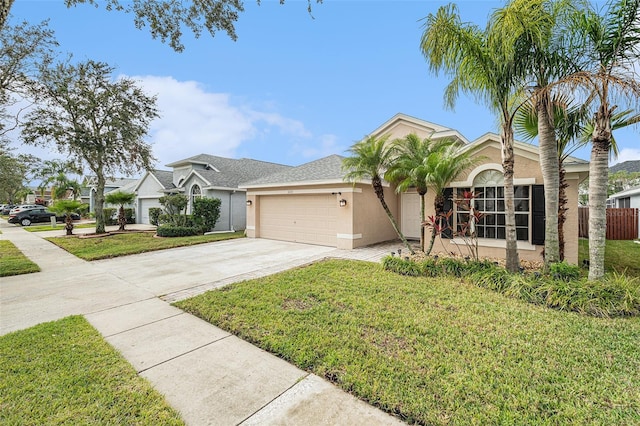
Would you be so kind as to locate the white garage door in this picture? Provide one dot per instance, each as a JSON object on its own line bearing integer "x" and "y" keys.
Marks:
{"x": 145, "y": 205}
{"x": 309, "y": 219}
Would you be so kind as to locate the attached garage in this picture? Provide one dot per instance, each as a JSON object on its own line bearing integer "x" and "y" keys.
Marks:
{"x": 144, "y": 205}
{"x": 301, "y": 218}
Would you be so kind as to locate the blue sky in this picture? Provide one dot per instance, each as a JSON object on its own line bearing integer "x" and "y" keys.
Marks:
{"x": 292, "y": 89}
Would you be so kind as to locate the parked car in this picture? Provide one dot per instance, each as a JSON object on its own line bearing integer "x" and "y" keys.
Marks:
{"x": 7, "y": 208}
{"x": 27, "y": 217}
{"x": 23, "y": 207}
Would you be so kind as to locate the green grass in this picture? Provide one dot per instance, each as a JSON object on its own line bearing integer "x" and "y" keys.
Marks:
{"x": 131, "y": 243}
{"x": 13, "y": 262}
{"x": 436, "y": 350}
{"x": 63, "y": 372}
{"x": 59, "y": 226}
{"x": 619, "y": 256}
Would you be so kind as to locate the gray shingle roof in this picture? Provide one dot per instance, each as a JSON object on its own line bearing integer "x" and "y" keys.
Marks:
{"x": 629, "y": 166}
{"x": 165, "y": 178}
{"x": 230, "y": 172}
{"x": 325, "y": 169}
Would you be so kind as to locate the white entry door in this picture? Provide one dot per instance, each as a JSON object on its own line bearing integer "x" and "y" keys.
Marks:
{"x": 410, "y": 219}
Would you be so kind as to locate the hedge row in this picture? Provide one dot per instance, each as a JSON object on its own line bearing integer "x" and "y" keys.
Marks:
{"x": 563, "y": 287}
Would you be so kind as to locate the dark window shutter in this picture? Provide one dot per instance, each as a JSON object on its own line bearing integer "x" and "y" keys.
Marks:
{"x": 448, "y": 206}
{"x": 537, "y": 212}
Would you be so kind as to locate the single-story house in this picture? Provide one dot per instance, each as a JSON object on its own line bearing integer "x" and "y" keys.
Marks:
{"x": 205, "y": 175}
{"x": 313, "y": 204}
{"x": 88, "y": 189}
{"x": 627, "y": 199}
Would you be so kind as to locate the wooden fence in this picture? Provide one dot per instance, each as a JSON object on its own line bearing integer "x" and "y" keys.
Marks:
{"x": 622, "y": 224}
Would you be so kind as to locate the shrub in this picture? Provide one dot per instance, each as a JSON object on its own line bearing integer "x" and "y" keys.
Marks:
{"x": 109, "y": 216}
{"x": 452, "y": 266}
{"x": 402, "y": 266}
{"x": 129, "y": 215}
{"x": 206, "y": 212}
{"x": 564, "y": 271}
{"x": 154, "y": 215}
{"x": 495, "y": 278}
{"x": 83, "y": 210}
{"x": 169, "y": 230}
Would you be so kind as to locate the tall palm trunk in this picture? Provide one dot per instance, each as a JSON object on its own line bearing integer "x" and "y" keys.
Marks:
{"x": 550, "y": 176}
{"x": 379, "y": 190}
{"x": 562, "y": 207}
{"x": 598, "y": 179}
{"x": 508, "y": 161}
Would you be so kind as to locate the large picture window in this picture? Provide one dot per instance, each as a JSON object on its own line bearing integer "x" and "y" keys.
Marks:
{"x": 488, "y": 200}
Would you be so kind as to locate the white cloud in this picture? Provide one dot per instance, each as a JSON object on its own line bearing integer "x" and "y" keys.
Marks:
{"x": 194, "y": 121}
{"x": 627, "y": 154}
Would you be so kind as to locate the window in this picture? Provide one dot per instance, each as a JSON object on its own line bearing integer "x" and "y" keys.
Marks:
{"x": 624, "y": 203}
{"x": 488, "y": 191}
{"x": 195, "y": 193}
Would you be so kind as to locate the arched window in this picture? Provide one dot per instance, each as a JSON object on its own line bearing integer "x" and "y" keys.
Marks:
{"x": 488, "y": 190}
{"x": 195, "y": 193}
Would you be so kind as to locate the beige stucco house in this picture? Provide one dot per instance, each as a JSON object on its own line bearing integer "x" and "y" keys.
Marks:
{"x": 312, "y": 204}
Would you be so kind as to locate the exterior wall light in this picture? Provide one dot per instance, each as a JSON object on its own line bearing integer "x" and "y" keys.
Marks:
{"x": 249, "y": 202}
{"x": 343, "y": 202}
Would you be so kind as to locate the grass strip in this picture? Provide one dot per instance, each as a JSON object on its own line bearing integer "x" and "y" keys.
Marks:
{"x": 58, "y": 227}
{"x": 620, "y": 256}
{"x": 13, "y": 262}
{"x": 63, "y": 372}
{"x": 437, "y": 350}
{"x": 131, "y": 243}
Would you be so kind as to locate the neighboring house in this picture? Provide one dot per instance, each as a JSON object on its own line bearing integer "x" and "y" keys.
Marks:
{"x": 88, "y": 190}
{"x": 628, "y": 199}
{"x": 205, "y": 176}
{"x": 312, "y": 204}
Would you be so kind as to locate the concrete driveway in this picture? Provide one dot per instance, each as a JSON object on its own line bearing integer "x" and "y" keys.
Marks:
{"x": 208, "y": 375}
{"x": 169, "y": 271}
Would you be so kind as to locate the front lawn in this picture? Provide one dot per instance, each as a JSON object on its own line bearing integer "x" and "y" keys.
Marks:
{"x": 622, "y": 257}
{"x": 436, "y": 350}
{"x": 13, "y": 262}
{"x": 131, "y": 243}
{"x": 63, "y": 372}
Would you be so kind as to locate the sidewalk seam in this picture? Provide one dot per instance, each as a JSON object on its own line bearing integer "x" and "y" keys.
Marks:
{"x": 185, "y": 353}
{"x": 275, "y": 398}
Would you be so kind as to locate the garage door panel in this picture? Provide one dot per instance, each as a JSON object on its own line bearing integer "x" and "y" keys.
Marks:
{"x": 307, "y": 219}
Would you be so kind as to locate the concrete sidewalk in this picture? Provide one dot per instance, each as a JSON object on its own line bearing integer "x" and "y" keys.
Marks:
{"x": 208, "y": 375}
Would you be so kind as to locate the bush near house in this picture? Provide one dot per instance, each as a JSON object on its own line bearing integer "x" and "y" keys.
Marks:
{"x": 563, "y": 287}
{"x": 154, "y": 215}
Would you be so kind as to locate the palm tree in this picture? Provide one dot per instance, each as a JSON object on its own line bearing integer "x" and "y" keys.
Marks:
{"x": 611, "y": 51}
{"x": 534, "y": 29}
{"x": 369, "y": 159}
{"x": 53, "y": 173}
{"x": 479, "y": 65}
{"x": 413, "y": 166}
{"x": 120, "y": 198}
{"x": 445, "y": 167}
{"x": 66, "y": 207}
{"x": 569, "y": 127}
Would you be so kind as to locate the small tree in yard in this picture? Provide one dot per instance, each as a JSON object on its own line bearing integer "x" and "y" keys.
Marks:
{"x": 66, "y": 207}
{"x": 206, "y": 212}
{"x": 173, "y": 205}
{"x": 96, "y": 122}
{"x": 120, "y": 198}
